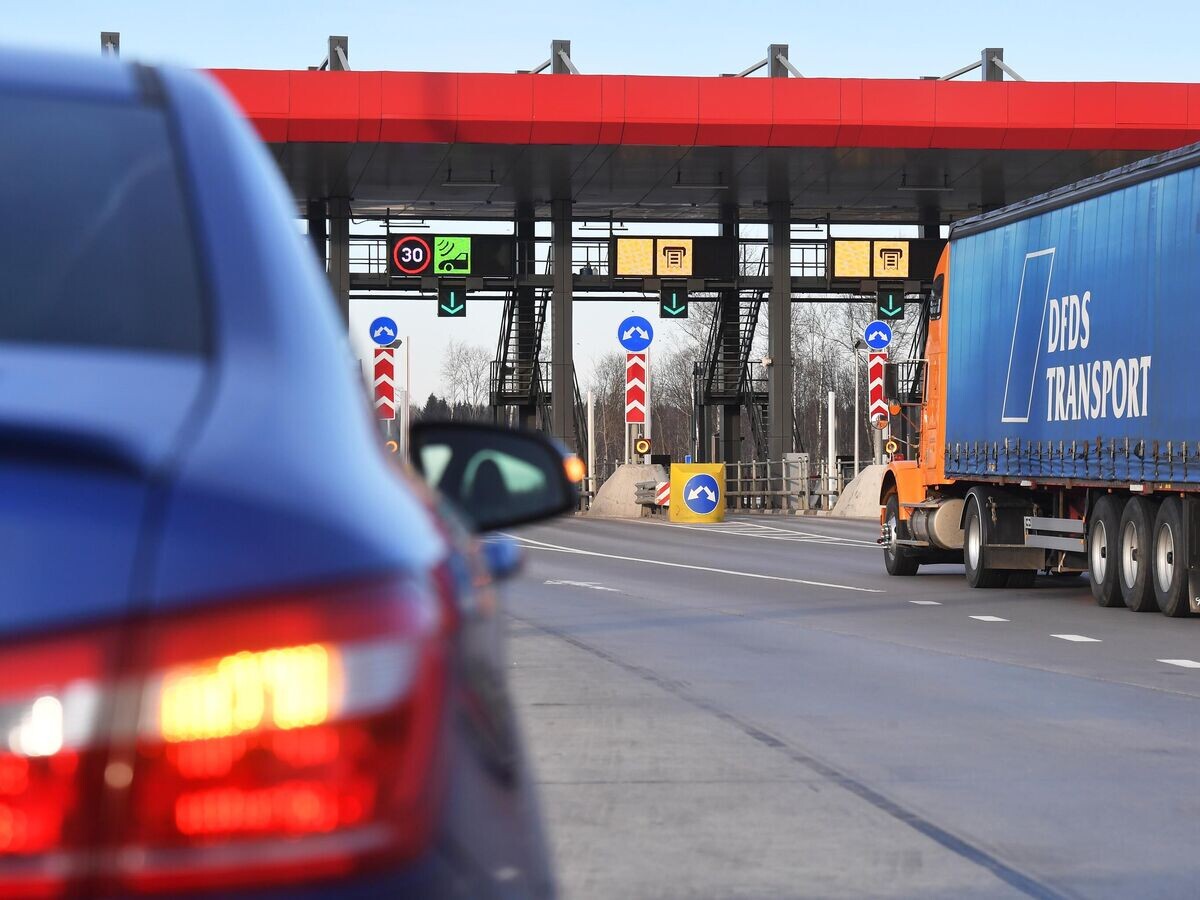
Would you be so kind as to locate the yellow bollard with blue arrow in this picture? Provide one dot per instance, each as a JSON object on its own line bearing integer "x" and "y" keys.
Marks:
{"x": 697, "y": 492}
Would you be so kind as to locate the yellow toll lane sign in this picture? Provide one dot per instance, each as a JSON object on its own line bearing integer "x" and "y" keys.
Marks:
{"x": 697, "y": 492}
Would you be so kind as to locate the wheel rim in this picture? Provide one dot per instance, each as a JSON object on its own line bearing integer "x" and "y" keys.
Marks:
{"x": 1098, "y": 558}
{"x": 893, "y": 525}
{"x": 974, "y": 544}
{"x": 1129, "y": 554}
{"x": 1164, "y": 557}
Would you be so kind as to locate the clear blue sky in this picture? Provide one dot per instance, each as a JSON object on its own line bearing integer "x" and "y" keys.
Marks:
{"x": 1042, "y": 40}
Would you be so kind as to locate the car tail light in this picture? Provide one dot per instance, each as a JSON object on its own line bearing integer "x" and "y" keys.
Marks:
{"x": 50, "y": 710}
{"x": 263, "y": 742}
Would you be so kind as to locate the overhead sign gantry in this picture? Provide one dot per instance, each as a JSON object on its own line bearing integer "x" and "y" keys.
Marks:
{"x": 563, "y": 147}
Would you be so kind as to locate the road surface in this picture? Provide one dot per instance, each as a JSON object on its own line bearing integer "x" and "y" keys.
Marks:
{"x": 756, "y": 710}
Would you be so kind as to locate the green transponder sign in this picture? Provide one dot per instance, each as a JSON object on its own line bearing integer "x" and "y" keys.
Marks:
{"x": 452, "y": 256}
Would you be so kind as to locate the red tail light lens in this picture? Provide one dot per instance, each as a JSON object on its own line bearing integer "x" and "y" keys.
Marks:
{"x": 265, "y": 742}
{"x": 51, "y": 707}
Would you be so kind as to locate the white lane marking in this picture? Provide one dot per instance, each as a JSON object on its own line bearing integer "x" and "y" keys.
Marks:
{"x": 1078, "y": 638}
{"x": 769, "y": 533}
{"x": 989, "y": 618}
{"x": 1183, "y": 663}
{"x": 925, "y": 602}
{"x": 542, "y": 545}
{"x": 590, "y": 585}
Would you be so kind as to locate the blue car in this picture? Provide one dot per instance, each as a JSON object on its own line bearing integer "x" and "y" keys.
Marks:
{"x": 243, "y": 651}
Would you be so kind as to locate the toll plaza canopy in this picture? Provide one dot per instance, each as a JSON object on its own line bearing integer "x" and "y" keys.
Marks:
{"x": 473, "y": 145}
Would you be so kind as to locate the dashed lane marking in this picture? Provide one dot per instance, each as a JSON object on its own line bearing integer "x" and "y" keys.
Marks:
{"x": 1182, "y": 663}
{"x": 590, "y": 585}
{"x": 925, "y": 602}
{"x": 1078, "y": 638}
{"x": 989, "y": 618}
{"x": 556, "y": 548}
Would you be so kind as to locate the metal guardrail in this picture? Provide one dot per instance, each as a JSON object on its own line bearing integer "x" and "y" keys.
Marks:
{"x": 781, "y": 485}
{"x": 645, "y": 492}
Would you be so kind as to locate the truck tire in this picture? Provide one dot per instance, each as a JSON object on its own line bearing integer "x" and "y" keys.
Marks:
{"x": 896, "y": 559}
{"x": 1170, "y": 560}
{"x": 1103, "y": 542}
{"x": 974, "y": 547}
{"x": 1137, "y": 555}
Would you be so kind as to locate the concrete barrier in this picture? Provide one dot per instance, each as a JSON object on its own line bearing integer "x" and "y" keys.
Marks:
{"x": 860, "y": 499}
{"x": 617, "y": 497}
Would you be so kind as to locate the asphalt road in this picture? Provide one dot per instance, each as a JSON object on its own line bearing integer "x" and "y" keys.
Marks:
{"x": 757, "y": 710}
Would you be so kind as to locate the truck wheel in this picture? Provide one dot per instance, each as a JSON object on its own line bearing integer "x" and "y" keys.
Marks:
{"x": 1104, "y": 529}
{"x": 896, "y": 559}
{"x": 1137, "y": 555}
{"x": 1169, "y": 561}
{"x": 974, "y": 545}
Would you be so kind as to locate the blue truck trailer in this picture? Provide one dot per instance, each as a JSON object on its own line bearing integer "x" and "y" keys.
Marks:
{"x": 1055, "y": 401}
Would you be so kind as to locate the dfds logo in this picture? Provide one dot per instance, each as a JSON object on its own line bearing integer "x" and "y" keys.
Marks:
{"x": 1077, "y": 390}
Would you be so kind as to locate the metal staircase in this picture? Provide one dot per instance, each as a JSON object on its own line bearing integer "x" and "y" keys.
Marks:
{"x": 519, "y": 378}
{"x": 514, "y": 370}
{"x": 727, "y": 377}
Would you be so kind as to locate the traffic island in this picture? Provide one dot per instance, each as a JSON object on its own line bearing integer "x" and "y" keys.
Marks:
{"x": 617, "y": 497}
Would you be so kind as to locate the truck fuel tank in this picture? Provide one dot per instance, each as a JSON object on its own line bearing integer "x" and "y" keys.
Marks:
{"x": 938, "y": 522}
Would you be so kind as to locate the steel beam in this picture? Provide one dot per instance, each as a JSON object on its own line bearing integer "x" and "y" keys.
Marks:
{"x": 730, "y": 331}
{"x": 781, "y": 410}
{"x": 339, "y": 254}
{"x": 776, "y": 67}
{"x": 526, "y": 311}
{"x": 339, "y": 53}
{"x": 560, "y": 58}
{"x": 110, "y": 43}
{"x": 992, "y": 72}
{"x": 318, "y": 229}
{"x": 562, "y": 343}
{"x": 931, "y": 222}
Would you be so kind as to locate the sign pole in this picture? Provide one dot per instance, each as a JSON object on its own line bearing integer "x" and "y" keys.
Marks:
{"x": 635, "y": 334}
{"x": 649, "y": 387}
{"x": 857, "y": 423}
{"x": 832, "y": 462}
{"x": 407, "y": 420}
{"x": 591, "y": 460}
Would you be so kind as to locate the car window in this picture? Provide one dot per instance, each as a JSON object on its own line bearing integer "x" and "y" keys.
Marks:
{"x": 95, "y": 247}
{"x": 516, "y": 475}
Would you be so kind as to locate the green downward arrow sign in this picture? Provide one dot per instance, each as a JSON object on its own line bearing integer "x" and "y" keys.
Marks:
{"x": 452, "y": 307}
{"x": 675, "y": 307}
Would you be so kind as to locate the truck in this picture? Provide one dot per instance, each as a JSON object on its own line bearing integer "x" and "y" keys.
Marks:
{"x": 1051, "y": 402}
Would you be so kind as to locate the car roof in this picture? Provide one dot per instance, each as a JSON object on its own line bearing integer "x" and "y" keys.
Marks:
{"x": 63, "y": 74}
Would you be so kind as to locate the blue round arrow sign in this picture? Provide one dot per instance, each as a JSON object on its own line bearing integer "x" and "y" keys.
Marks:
{"x": 701, "y": 494}
{"x": 878, "y": 335}
{"x": 383, "y": 331}
{"x": 635, "y": 333}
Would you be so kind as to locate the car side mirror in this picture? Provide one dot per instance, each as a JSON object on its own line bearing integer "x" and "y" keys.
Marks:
{"x": 496, "y": 477}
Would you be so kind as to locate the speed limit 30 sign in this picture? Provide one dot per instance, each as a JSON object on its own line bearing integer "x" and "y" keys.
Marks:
{"x": 411, "y": 255}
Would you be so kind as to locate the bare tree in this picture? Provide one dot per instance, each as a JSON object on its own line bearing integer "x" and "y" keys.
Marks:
{"x": 465, "y": 373}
